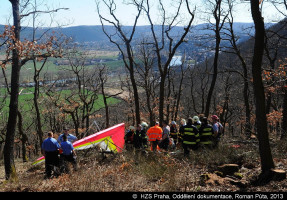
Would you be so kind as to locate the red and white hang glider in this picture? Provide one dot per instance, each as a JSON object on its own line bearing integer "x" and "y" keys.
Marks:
{"x": 110, "y": 140}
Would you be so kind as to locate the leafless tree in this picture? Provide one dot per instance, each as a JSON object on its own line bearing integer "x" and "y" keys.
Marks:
{"x": 164, "y": 43}
{"x": 103, "y": 78}
{"x": 236, "y": 50}
{"x": 220, "y": 15}
{"x": 18, "y": 60}
{"x": 148, "y": 78}
{"x": 261, "y": 122}
{"x": 124, "y": 44}
{"x": 176, "y": 78}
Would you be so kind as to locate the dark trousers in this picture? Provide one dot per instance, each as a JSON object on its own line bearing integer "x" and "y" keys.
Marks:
{"x": 154, "y": 145}
{"x": 51, "y": 161}
{"x": 164, "y": 144}
{"x": 187, "y": 147}
{"x": 215, "y": 142}
{"x": 64, "y": 159}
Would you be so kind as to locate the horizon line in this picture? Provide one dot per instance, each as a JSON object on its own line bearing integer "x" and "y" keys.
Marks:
{"x": 141, "y": 25}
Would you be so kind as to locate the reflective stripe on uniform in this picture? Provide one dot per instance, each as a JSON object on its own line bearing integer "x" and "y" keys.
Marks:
{"x": 154, "y": 133}
{"x": 153, "y": 136}
{"x": 189, "y": 133}
{"x": 190, "y": 137}
{"x": 206, "y": 134}
{"x": 188, "y": 129}
{"x": 187, "y": 142}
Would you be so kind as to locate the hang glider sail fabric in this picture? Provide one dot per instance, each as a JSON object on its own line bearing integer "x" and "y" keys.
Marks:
{"x": 109, "y": 140}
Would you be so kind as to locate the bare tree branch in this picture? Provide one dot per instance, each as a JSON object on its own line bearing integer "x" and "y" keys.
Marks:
{"x": 42, "y": 12}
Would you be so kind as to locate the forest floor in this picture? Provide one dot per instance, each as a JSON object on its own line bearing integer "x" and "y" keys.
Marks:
{"x": 144, "y": 171}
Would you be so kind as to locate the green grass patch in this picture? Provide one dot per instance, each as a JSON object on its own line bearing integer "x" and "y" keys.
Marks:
{"x": 26, "y": 99}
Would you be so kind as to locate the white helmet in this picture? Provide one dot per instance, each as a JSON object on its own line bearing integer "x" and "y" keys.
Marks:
{"x": 195, "y": 119}
{"x": 183, "y": 121}
{"x": 144, "y": 124}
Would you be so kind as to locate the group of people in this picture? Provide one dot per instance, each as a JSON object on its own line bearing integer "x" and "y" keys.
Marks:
{"x": 52, "y": 148}
{"x": 191, "y": 134}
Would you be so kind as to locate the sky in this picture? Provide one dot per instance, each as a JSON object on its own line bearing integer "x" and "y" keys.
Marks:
{"x": 83, "y": 12}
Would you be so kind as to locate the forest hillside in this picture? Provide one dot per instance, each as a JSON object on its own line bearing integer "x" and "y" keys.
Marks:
{"x": 202, "y": 107}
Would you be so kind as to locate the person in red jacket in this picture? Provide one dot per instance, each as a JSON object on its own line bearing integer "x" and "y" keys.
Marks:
{"x": 154, "y": 134}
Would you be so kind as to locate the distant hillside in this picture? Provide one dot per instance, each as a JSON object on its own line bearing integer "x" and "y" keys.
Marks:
{"x": 200, "y": 40}
{"x": 95, "y": 33}
{"x": 199, "y": 43}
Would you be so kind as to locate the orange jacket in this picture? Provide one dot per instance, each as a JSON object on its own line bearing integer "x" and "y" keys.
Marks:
{"x": 154, "y": 133}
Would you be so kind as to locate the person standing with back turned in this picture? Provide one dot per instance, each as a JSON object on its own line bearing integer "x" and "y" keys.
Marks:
{"x": 50, "y": 149}
{"x": 154, "y": 134}
{"x": 206, "y": 134}
{"x": 190, "y": 137}
{"x": 164, "y": 142}
{"x": 217, "y": 128}
{"x": 68, "y": 155}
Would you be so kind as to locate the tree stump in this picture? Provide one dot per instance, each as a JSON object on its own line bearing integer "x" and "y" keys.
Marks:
{"x": 278, "y": 174}
{"x": 228, "y": 169}
{"x": 269, "y": 175}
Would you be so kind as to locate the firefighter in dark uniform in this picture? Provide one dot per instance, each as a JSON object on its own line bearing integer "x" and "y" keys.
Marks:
{"x": 139, "y": 136}
{"x": 190, "y": 137}
{"x": 206, "y": 134}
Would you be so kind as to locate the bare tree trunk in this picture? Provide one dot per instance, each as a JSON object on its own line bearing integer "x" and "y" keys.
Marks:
{"x": 125, "y": 49}
{"x": 35, "y": 99}
{"x": 217, "y": 14}
{"x": 284, "y": 120}
{"x": 103, "y": 80}
{"x": 272, "y": 67}
{"x": 136, "y": 96}
{"x": 161, "y": 44}
{"x": 246, "y": 102}
{"x": 245, "y": 72}
{"x": 13, "y": 106}
{"x": 178, "y": 93}
{"x": 214, "y": 77}
{"x": 261, "y": 121}
{"x": 24, "y": 137}
{"x": 146, "y": 57}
